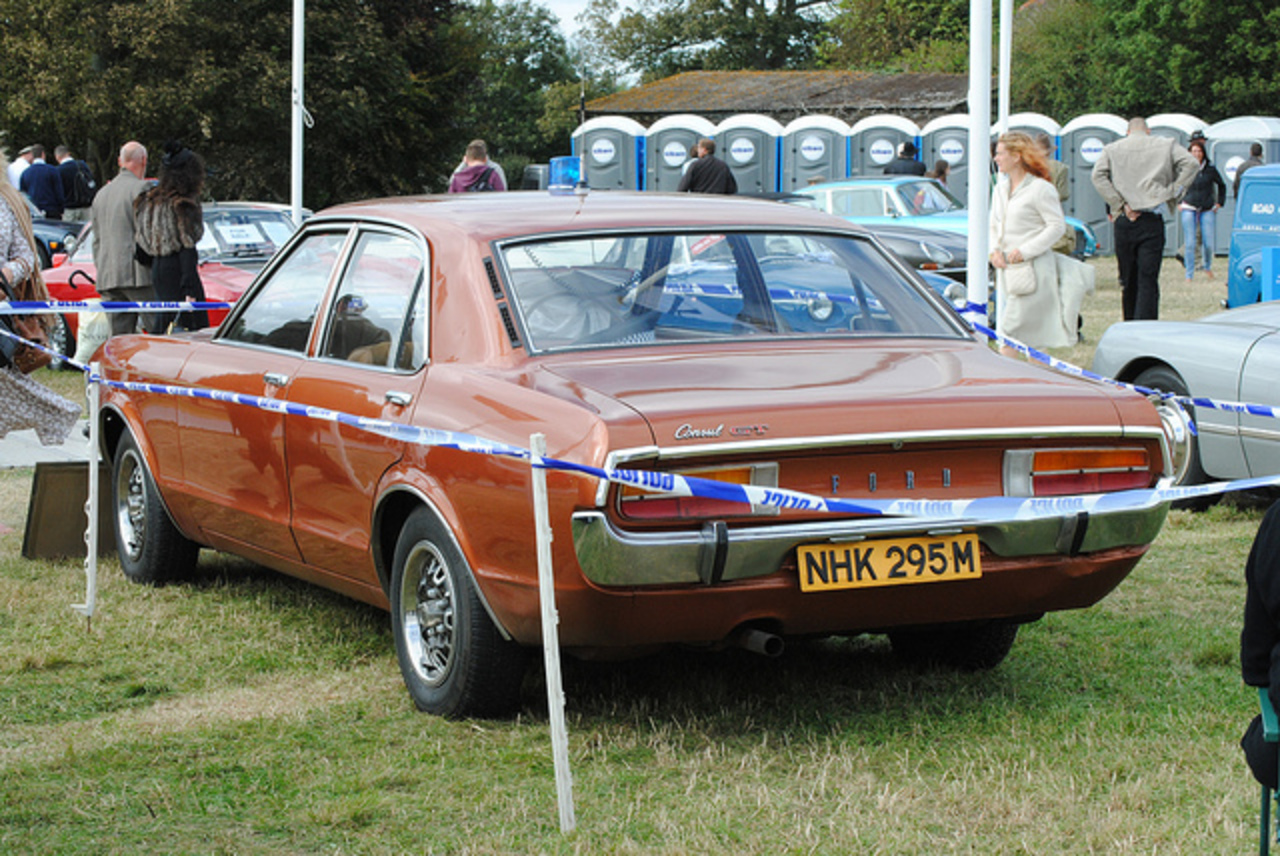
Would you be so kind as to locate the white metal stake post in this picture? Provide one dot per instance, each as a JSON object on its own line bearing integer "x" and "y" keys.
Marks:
{"x": 551, "y": 639}
{"x": 92, "y": 390}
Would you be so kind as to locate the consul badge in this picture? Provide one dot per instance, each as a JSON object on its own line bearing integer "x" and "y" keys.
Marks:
{"x": 689, "y": 432}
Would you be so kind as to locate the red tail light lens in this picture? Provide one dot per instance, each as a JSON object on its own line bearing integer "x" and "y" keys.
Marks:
{"x": 1059, "y": 472}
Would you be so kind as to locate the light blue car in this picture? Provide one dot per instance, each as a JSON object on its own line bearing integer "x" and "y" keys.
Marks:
{"x": 910, "y": 201}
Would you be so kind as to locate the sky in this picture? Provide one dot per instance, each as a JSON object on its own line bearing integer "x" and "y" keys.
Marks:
{"x": 566, "y": 11}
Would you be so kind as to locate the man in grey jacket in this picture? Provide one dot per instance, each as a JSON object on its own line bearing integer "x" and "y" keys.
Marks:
{"x": 120, "y": 275}
{"x": 1138, "y": 175}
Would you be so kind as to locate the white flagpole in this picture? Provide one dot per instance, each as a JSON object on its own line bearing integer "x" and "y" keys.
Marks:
{"x": 551, "y": 639}
{"x": 1006, "y": 62}
{"x": 979, "y": 150}
{"x": 299, "y": 26}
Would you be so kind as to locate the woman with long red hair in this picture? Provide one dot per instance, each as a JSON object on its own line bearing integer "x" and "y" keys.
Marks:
{"x": 1026, "y": 221}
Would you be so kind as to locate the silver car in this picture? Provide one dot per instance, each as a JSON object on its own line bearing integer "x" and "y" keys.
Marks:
{"x": 1229, "y": 356}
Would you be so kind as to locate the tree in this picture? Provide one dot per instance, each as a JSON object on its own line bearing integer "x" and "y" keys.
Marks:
{"x": 896, "y": 34}
{"x": 1210, "y": 58}
{"x": 521, "y": 55}
{"x": 658, "y": 38}
{"x": 1063, "y": 60}
{"x": 216, "y": 74}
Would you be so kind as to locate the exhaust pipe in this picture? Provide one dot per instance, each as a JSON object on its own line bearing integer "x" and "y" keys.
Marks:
{"x": 759, "y": 642}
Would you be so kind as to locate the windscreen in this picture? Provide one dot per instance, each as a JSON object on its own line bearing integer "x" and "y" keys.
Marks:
{"x": 647, "y": 289}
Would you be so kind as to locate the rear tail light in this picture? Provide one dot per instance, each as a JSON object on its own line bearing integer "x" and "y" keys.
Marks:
{"x": 1058, "y": 472}
{"x": 650, "y": 505}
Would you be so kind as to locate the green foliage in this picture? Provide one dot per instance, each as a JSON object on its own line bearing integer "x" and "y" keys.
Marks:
{"x": 1209, "y": 58}
{"x": 521, "y": 56}
{"x": 561, "y": 104}
{"x": 658, "y": 38}
{"x": 1063, "y": 60}
{"x": 922, "y": 35}
{"x": 217, "y": 74}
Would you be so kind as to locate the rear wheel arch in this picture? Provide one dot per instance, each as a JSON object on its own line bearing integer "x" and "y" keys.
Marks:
{"x": 1141, "y": 365}
{"x": 393, "y": 510}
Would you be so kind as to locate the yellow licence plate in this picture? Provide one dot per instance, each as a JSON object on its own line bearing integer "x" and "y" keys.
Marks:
{"x": 866, "y": 564}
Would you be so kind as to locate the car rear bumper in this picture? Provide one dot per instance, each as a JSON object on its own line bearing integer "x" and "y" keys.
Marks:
{"x": 609, "y": 556}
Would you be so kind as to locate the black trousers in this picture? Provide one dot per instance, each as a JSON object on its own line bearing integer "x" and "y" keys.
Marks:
{"x": 1139, "y": 253}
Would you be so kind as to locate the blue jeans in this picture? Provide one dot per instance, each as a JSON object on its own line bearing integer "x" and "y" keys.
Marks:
{"x": 1207, "y": 220}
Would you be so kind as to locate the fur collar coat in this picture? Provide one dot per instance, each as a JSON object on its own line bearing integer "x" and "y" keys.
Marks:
{"x": 165, "y": 224}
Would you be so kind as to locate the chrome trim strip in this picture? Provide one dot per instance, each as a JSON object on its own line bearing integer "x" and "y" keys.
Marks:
{"x": 790, "y": 444}
{"x": 1260, "y": 434}
{"x": 618, "y": 458}
{"x": 610, "y": 556}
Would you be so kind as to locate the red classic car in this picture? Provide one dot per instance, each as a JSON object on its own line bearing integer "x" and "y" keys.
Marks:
{"x": 238, "y": 239}
{"x": 739, "y": 341}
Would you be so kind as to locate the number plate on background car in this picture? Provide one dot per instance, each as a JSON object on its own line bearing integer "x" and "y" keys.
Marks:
{"x": 865, "y": 564}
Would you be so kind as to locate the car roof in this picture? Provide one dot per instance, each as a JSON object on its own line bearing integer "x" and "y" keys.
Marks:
{"x": 492, "y": 216}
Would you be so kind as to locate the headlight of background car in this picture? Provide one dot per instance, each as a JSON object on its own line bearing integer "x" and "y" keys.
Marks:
{"x": 940, "y": 255}
{"x": 923, "y": 255}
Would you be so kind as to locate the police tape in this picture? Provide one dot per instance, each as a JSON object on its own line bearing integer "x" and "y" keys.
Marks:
{"x": 51, "y": 307}
{"x": 980, "y": 509}
{"x": 1064, "y": 367}
{"x": 43, "y": 349}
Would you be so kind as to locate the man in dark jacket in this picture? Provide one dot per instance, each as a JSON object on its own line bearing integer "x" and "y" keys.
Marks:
{"x": 1260, "y": 639}
{"x": 708, "y": 174}
{"x": 41, "y": 182}
{"x": 905, "y": 163}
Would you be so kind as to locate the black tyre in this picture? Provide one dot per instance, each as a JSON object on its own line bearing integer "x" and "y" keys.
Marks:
{"x": 970, "y": 647}
{"x": 1190, "y": 472}
{"x": 151, "y": 548}
{"x": 454, "y": 661}
{"x": 62, "y": 341}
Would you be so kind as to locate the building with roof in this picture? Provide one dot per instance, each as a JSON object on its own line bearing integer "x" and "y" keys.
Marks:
{"x": 787, "y": 95}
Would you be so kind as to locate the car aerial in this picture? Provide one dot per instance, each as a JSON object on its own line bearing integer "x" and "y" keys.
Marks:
{"x": 52, "y": 236}
{"x": 238, "y": 239}
{"x": 1229, "y": 356}
{"x": 1254, "y": 231}
{"x": 733, "y": 340}
{"x": 911, "y": 201}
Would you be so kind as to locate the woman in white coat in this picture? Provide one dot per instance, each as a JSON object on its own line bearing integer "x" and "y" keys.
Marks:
{"x": 1026, "y": 221}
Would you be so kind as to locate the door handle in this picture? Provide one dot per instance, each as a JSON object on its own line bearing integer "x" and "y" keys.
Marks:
{"x": 400, "y": 399}
{"x": 275, "y": 379}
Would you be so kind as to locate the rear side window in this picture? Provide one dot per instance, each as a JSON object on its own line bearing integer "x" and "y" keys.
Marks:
{"x": 373, "y": 320}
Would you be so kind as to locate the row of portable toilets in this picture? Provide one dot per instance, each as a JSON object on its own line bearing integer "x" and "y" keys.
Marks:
{"x": 766, "y": 157}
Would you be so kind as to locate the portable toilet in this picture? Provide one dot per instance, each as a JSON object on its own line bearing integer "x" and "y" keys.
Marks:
{"x": 874, "y": 141}
{"x": 1229, "y": 142}
{"x": 1178, "y": 127}
{"x": 947, "y": 138}
{"x": 667, "y": 146}
{"x": 1080, "y": 145}
{"x": 612, "y": 152}
{"x": 814, "y": 149}
{"x": 749, "y": 143}
{"x": 1032, "y": 124}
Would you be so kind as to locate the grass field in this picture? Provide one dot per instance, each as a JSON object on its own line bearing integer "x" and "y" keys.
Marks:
{"x": 249, "y": 713}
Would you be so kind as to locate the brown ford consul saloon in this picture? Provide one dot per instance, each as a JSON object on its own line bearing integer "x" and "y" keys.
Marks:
{"x": 734, "y": 340}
